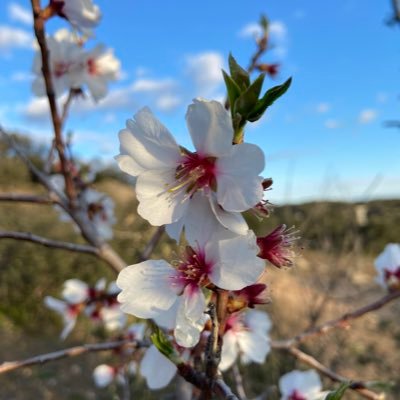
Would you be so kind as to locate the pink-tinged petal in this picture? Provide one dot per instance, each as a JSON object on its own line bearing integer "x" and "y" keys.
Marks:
{"x": 230, "y": 220}
{"x": 210, "y": 127}
{"x": 156, "y": 369}
{"x": 229, "y": 351}
{"x": 148, "y": 142}
{"x": 258, "y": 321}
{"x": 254, "y": 347}
{"x": 190, "y": 317}
{"x": 157, "y": 204}
{"x": 308, "y": 383}
{"x": 75, "y": 291}
{"x": 136, "y": 331}
{"x": 103, "y": 375}
{"x": 237, "y": 265}
{"x": 128, "y": 165}
{"x": 239, "y": 186}
{"x": 389, "y": 259}
{"x": 145, "y": 287}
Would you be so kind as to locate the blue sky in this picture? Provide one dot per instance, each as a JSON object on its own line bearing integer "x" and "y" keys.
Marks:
{"x": 325, "y": 139}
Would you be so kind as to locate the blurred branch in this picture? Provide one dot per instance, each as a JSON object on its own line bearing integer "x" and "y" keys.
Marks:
{"x": 359, "y": 387}
{"x": 341, "y": 322}
{"x": 72, "y": 93}
{"x": 30, "y": 237}
{"x": 66, "y": 353}
{"x": 396, "y": 11}
{"x": 237, "y": 376}
{"x": 28, "y": 198}
{"x": 151, "y": 245}
{"x": 38, "y": 25}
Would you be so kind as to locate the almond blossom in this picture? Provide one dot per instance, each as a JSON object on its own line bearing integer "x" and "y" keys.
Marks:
{"x": 172, "y": 294}
{"x": 301, "y": 385}
{"x": 104, "y": 374}
{"x": 223, "y": 177}
{"x": 387, "y": 265}
{"x": 246, "y": 335}
{"x": 83, "y": 15}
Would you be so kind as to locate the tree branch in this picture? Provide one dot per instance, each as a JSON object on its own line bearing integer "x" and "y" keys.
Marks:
{"x": 151, "y": 245}
{"x": 28, "y": 198}
{"x": 359, "y": 387}
{"x": 30, "y": 237}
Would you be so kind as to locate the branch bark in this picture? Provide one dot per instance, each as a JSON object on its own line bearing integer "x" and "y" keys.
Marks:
{"x": 27, "y": 198}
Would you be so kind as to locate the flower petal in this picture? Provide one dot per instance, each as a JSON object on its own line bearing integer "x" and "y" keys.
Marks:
{"x": 210, "y": 127}
{"x": 75, "y": 291}
{"x": 103, "y": 375}
{"x": 157, "y": 369}
{"x": 145, "y": 287}
{"x": 157, "y": 204}
{"x": 238, "y": 181}
{"x": 229, "y": 351}
{"x": 128, "y": 165}
{"x": 258, "y": 321}
{"x": 253, "y": 346}
{"x": 238, "y": 265}
{"x": 306, "y": 382}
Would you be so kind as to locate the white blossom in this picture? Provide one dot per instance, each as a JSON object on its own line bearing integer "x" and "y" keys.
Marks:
{"x": 103, "y": 375}
{"x": 224, "y": 177}
{"x": 301, "y": 385}
{"x": 172, "y": 294}
{"x": 246, "y": 335}
{"x": 387, "y": 265}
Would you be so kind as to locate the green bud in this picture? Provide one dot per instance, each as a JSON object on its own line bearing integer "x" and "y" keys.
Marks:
{"x": 238, "y": 74}
{"x": 338, "y": 393}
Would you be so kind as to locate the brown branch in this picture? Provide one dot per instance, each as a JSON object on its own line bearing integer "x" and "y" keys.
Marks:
{"x": 30, "y": 237}
{"x": 359, "y": 387}
{"x": 27, "y": 198}
{"x": 396, "y": 10}
{"x": 64, "y": 115}
{"x": 66, "y": 353}
{"x": 38, "y": 24}
{"x": 341, "y": 322}
{"x": 151, "y": 245}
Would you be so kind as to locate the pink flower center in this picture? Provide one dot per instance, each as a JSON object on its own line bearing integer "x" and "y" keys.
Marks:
{"x": 392, "y": 277}
{"x": 92, "y": 68}
{"x": 296, "y": 396}
{"x": 195, "y": 172}
{"x": 60, "y": 69}
{"x": 192, "y": 269}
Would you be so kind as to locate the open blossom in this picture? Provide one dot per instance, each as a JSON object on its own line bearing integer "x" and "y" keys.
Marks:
{"x": 387, "y": 265}
{"x": 277, "y": 247}
{"x": 156, "y": 289}
{"x": 73, "y": 67}
{"x": 301, "y": 385}
{"x": 104, "y": 374}
{"x": 246, "y": 335}
{"x": 223, "y": 176}
{"x": 157, "y": 369}
{"x": 83, "y": 15}
{"x": 65, "y": 63}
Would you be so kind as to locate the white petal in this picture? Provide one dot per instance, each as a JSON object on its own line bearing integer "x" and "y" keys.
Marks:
{"x": 230, "y": 220}
{"x": 69, "y": 324}
{"x": 258, "y": 321}
{"x": 174, "y": 230}
{"x": 229, "y": 351}
{"x": 113, "y": 318}
{"x": 306, "y": 382}
{"x": 128, "y": 165}
{"x": 238, "y": 265}
{"x": 75, "y": 291}
{"x": 103, "y": 375}
{"x": 137, "y": 330}
{"x": 148, "y": 142}
{"x": 145, "y": 287}
{"x": 157, "y": 204}
{"x": 167, "y": 318}
{"x": 100, "y": 284}
{"x": 253, "y": 346}
{"x": 239, "y": 185}
{"x": 56, "y": 305}
{"x": 389, "y": 259}
{"x": 210, "y": 127}
{"x": 190, "y": 317}
{"x": 157, "y": 369}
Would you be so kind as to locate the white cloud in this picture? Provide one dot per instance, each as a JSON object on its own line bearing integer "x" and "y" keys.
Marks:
{"x": 332, "y": 124}
{"x": 20, "y": 76}
{"x": 20, "y": 14}
{"x": 153, "y": 85}
{"x": 205, "y": 71}
{"x": 251, "y": 30}
{"x": 367, "y": 116}
{"x": 11, "y": 37}
{"x": 168, "y": 102}
{"x": 322, "y": 108}
{"x": 278, "y": 30}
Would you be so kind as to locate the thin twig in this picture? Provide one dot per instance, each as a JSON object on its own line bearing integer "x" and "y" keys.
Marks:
{"x": 151, "y": 245}
{"x": 359, "y": 387}
{"x": 237, "y": 376}
{"x": 66, "y": 106}
{"x": 27, "y": 198}
{"x": 66, "y": 353}
{"x": 30, "y": 237}
{"x": 341, "y": 322}
{"x": 38, "y": 25}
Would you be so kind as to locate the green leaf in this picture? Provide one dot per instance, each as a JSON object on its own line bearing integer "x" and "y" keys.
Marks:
{"x": 161, "y": 342}
{"x": 238, "y": 74}
{"x": 338, "y": 393}
{"x": 268, "y": 99}
{"x": 264, "y": 22}
{"x": 247, "y": 100}
{"x": 232, "y": 88}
